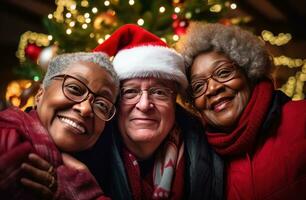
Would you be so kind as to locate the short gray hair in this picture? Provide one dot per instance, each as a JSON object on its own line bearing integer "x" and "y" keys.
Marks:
{"x": 61, "y": 62}
{"x": 241, "y": 46}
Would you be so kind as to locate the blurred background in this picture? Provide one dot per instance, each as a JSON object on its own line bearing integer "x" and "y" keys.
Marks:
{"x": 33, "y": 31}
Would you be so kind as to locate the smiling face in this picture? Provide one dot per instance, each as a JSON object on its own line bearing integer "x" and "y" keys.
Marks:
{"x": 145, "y": 124}
{"x": 222, "y": 104}
{"x": 74, "y": 126}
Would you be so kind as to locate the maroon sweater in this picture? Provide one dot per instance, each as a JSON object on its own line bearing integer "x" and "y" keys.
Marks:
{"x": 22, "y": 133}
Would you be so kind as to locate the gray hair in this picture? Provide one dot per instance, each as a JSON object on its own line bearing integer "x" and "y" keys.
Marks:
{"x": 239, "y": 45}
{"x": 61, "y": 62}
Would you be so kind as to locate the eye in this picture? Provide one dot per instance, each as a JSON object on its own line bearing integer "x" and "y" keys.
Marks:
{"x": 224, "y": 72}
{"x": 75, "y": 89}
{"x": 103, "y": 105}
{"x": 198, "y": 86}
{"x": 129, "y": 92}
{"x": 160, "y": 92}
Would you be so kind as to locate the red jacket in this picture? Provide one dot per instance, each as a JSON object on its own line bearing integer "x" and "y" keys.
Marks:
{"x": 265, "y": 156}
{"x": 277, "y": 167}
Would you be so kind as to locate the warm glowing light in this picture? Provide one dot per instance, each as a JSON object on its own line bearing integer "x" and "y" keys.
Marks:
{"x": 84, "y": 3}
{"x": 164, "y": 39}
{"x": 175, "y": 37}
{"x": 188, "y": 15}
{"x": 84, "y": 26}
{"x": 50, "y": 16}
{"x": 215, "y": 8}
{"x": 68, "y": 15}
{"x": 140, "y": 22}
{"x": 36, "y": 78}
{"x": 88, "y": 20}
{"x": 162, "y": 9}
{"x": 72, "y": 24}
{"x": 50, "y": 37}
{"x": 100, "y": 40}
{"x": 106, "y": 3}
{"x": 177, "y": 10}
{"x": 91, "y": 35}
{"x": 73, "y": 7}
{"x": 131, "y": 2}
{"x": 86, "y": 15}
{"x": 68, "y": 31}
{"x": 94, "y": 10}
{"x": 107, "y": 36}
{"x": 233, "y": 6}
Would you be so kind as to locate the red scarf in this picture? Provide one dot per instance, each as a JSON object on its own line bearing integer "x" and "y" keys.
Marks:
{"x": 30, "y": 127}
{"x": 243, "y": 137}
{"x": 166, "y": 178}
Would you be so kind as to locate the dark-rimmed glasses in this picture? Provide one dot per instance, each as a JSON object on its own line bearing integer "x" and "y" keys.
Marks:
{"x": 157, "y": 95}
{"x": 221, "y": 74}
{"x": 77, "y": 91}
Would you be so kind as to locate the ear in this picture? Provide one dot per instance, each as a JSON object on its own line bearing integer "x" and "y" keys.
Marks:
{"x": 39, "y": 95}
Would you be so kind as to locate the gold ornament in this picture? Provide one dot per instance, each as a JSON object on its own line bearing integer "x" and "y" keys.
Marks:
{"x": 107, "y": 18}
{"x": 20, "y": 93}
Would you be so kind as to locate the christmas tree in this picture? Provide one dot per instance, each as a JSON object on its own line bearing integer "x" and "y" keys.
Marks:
{"x": 80, "y": 25}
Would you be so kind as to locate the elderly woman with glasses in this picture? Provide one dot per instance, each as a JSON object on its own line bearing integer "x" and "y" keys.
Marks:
{"x": 76, "y": 99}
{"x": 258, "y": 131}
{"x": 157, "y": 150}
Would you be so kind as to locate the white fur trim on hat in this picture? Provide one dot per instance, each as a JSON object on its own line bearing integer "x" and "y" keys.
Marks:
{"x": 150, "y": 61}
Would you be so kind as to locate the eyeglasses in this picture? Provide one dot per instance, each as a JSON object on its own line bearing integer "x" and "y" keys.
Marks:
{"x": 222, "y": 74}
{"x": 156, "y": 94}
{"x": 77, "y": 91}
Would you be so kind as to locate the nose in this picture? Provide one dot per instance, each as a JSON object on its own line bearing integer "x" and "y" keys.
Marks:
{"x": 85, "y": 107}
{"x": 214, "y": 88}
{"x": 144, "y": 103}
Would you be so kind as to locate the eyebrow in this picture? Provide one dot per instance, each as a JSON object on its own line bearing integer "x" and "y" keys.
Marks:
{"x": 214, "y": 64}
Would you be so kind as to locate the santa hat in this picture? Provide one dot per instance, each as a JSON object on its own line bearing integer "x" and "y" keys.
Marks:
{"x": 139, "y": 54}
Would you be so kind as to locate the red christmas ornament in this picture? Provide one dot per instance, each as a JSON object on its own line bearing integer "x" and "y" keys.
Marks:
{"x": 32, "y": 51}
{"x": 225, "y": 21}
{"x": 180, "y": 26}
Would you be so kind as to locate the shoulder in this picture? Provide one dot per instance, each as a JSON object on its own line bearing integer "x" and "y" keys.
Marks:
{"x": 294, "y": 109}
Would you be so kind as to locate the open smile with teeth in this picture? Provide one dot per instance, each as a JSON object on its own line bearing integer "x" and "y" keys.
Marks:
{"x": 73, "y": 124}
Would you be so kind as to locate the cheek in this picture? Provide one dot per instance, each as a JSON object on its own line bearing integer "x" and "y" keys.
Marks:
{"x": 200, "y": 103}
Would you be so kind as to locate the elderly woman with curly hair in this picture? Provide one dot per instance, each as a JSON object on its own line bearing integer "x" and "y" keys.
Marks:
{"x": 72, "y": 106}
{"x": 259, "y": 131}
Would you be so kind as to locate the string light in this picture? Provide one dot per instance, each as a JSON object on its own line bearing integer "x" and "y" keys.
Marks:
{"x": 140, "y": 22}
{"x": 279, "y": 40}
{"x": 68, "y": 15}
{"x": 106, "y": 3}
{"x": 177, "y": 10}
{"x": 91, "y": 35}
{"x": 50, "y": 37}
{"x": 107, "y": 36}
{"x": 72, "y": 24}
{"x": 68, "y": 31}
{"x": 73, "y": 7}
{"x": 131, "y": 2}
{"x": 86, "y": 15}
{"x": 175, "y": 37}
{"x": 290, "y": 62}
{"x": 84, "y": 26}
{"x": 215, "y": 8}
{"x": 88, "y": 20}
{"x": 94, "y": 10}
{"x": 162, "y": 9}
{"x": 100, "y": 40}
{"x": 188, "y": 15}
{"x": 50, "y": 16}
{"x": 233, "y": 6}
{"x": 84, "y": 3}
